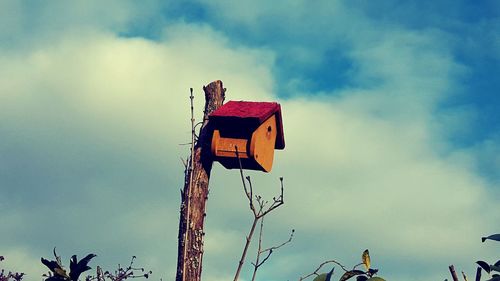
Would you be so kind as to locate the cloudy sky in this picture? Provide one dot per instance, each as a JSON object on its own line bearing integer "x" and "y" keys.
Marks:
{"x": 390, "y": 114}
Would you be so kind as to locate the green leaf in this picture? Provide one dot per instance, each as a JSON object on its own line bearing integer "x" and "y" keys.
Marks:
{"x": 321, "y": 277}
{"x": 325, "y": 276}
{"x": 350, "y": 274}
{"x": 376, "y": 278}
{"x": 329, "y": 275}
{"x": 365, "y": 258}
{"x": 484, "y": 266}
{"x": 78, "y": 267}
{"x": 495, "y": 237}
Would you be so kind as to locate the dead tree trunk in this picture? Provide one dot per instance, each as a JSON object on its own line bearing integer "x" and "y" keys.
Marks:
{"x": 195, "y": 193}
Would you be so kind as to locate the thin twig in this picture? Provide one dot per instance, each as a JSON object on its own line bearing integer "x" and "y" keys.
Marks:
{"x": 250, "y": 194}
{"x": 185, "y": 163}
{"x": 320, "y": 266}
{"x": 359, "y": 264}
{"x": 100, "y": 274}
{"x": 190, "y": 171}
{"x": 254, "y": 223}
{"x": 276, "y": 202}
{"x": 269, "y": 250}
{"x": 464, "y": 276}
{"x": 245, "y": 249}
{"x": 257, "y": 264}
{"x": 281, "y": 245}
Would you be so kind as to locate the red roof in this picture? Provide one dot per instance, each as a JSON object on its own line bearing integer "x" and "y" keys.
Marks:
{"x": 249, "y": 112}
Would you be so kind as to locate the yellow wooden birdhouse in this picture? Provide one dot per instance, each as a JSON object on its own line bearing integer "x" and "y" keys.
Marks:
{"x": 251, "y": 129}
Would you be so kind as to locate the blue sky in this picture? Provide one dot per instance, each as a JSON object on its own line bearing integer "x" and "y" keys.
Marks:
{"x": 390, "y": 114}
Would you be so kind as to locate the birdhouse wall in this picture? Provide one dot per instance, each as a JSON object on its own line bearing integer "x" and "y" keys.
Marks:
{"x": 262, "y": 143}
{"x": 256, "y": 150}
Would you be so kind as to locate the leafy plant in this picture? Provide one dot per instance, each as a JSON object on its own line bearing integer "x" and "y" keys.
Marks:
{"x": 121, "y": 273}
{"x": 10, "y": 276}
{"x": 58, "y": 273}
{"x": 495, "y": 237}
{"x": 485, "y": 266}
{"x": 361, "y": 275}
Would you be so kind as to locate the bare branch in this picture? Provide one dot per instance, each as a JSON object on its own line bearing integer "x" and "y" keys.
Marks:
{"x": 320, "y": 266}
{"x": 245, "y": 249}
{"x": 269, "y": 250}
{"x": 185, "y": 163}
{"x": 255, "y": 220}
{"x": 359, "y": 264}
{"x": 258, "y": 214}
{"x": 189, "y": 170}
{"x": 99, "y": 274}
{"x": 464, "y": 276}
{"x": 276, "y": 201}
{"x": 257, "y": 264}
{"x": 250, "y": 194}
{"x": 281, "y": 245}
{"x": 265, "y": 259}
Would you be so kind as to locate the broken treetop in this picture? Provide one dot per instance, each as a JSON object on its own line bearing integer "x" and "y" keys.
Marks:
{"x": 249, "y": 113}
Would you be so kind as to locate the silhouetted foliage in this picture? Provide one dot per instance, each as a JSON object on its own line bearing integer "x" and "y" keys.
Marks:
{"x": 58, "y": 273}
{"x": 121, "y": 273}
{"x": 485, "y": 266}
{"x": 495, "y": 237}
{"x": 492, "y": 270}
{"x": 10, "y": 276}
{"x": 361, "y": 275}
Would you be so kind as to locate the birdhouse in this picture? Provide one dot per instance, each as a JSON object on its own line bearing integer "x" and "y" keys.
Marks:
{"x": 251, "y": 129}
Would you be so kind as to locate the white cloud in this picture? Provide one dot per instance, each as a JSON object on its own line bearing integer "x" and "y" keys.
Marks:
{"x": 370, "y": 167}
{"x": 124, "y": 101}
{"x": 132, "y": 83}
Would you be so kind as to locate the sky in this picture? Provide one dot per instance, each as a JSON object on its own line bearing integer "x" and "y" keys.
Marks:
{"x": 390, "y": 114}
